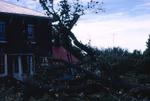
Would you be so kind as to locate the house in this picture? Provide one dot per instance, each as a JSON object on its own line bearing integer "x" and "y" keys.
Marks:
{"x": 25, "y": 39}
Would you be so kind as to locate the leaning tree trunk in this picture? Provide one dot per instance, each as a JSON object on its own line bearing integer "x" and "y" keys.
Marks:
{"x": 111, "y": 80}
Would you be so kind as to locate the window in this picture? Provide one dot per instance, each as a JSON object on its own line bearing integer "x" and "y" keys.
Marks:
{"x": 27, "y": 63}
{"x": 15, "y": 64}
{"x": 2, "y": 31}
{"x": 24, "y": 64}
{"x": 30, "y": 31}
{"x": 2, "y": 64}
{"x": 30, "y": 63}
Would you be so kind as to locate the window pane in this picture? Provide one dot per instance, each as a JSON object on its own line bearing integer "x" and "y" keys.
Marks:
{"x": 2, "y": 64}
{"x": 15, "y": 64}
{"x": 24, "y": 64}
{"x": 30, "y": 31}
{"x": 2, "y": 30}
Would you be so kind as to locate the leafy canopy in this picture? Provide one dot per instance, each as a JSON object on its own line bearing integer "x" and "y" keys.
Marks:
{"x": 66, "y": 11}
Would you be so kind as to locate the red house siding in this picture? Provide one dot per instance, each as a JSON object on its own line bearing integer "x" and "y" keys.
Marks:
{"x": 63, "y": 54}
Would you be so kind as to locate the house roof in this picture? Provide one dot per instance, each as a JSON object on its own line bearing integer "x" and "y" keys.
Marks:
{"x": 6, "y": 7}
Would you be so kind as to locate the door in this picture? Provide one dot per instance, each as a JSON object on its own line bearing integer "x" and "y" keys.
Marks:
{"x": 15, "y": 66}
{"x": 2, "y": 67}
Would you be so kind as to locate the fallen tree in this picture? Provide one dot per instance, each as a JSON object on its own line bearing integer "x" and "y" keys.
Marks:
{"x": 93, "y": 74}
{"x": 61, "y": 80}
{"x": 65, "y": 79}
{"x": 93, "y": 71}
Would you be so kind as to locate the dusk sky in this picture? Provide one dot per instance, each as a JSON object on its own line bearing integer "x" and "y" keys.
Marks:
{"x": 125, "y": 23}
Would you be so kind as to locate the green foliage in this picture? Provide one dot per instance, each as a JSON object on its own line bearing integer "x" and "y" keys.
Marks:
{"x": 64, "y": 11}
{"x": 147, "y": 51}
{"x": 120, "y": 59}
{"x": 144, "y": 65}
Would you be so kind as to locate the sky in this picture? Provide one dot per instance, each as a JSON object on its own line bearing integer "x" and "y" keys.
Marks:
{"x": 125, "y": 24}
